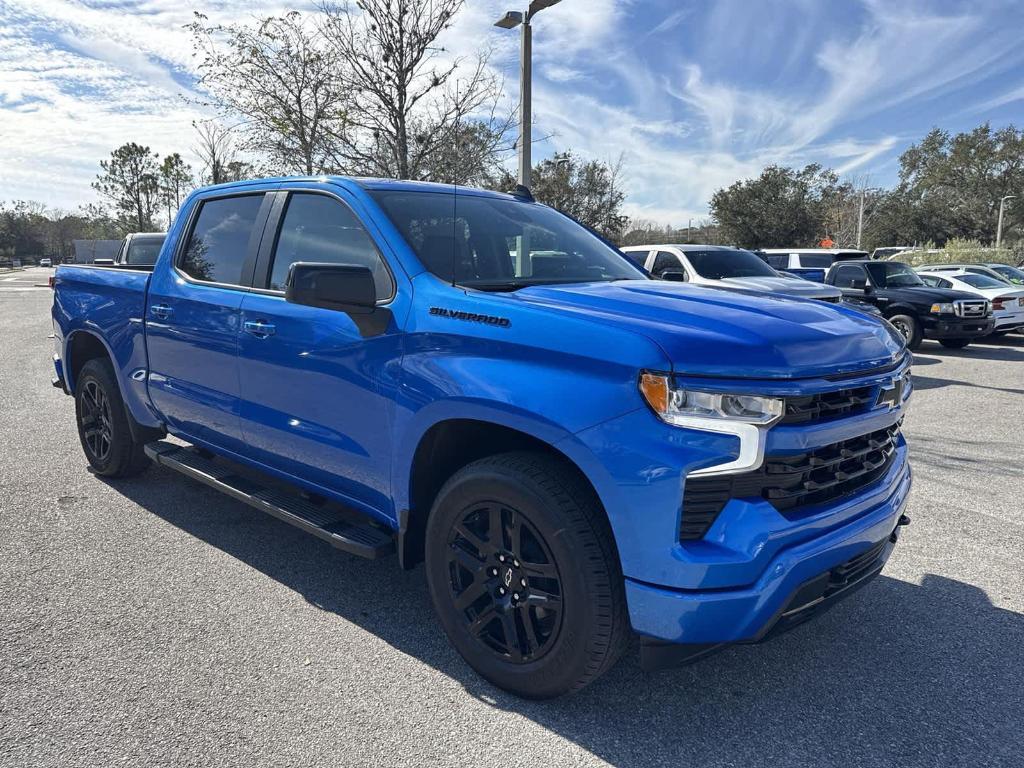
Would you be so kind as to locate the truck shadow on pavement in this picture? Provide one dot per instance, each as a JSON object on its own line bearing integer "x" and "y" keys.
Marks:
{"x": 899, "y": 674}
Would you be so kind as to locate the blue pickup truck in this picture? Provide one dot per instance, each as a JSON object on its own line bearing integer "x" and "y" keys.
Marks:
{"x": 472, "y": 380}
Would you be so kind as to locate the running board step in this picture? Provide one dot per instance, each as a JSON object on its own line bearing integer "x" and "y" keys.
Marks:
{"x": 330, "y": 525}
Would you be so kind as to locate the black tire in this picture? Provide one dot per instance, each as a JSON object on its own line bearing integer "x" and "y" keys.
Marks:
{"x": 910, "y": 328}
{"x": 565, "y": 550}
{"x": 954, "y": 343}
{"x": 103, "y": 427}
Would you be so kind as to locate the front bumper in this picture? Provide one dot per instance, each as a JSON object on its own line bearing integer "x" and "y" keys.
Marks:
{"x": 747, "y": 614}
{"x": 1009, "y": 321}
{"x": 810, "y": 599}
{"x": 958, "y": 328}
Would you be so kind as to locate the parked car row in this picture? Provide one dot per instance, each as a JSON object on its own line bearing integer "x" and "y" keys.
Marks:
{"x": 951, "y": 303}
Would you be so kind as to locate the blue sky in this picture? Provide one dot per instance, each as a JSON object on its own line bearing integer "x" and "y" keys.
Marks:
{"x": 692, "y": 95}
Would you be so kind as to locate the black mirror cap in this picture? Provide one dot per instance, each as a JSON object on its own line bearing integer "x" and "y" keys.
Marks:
{"x": 675, "y": 276}
{"x": 342, "y": 287}
{"x": 859, "y": 285}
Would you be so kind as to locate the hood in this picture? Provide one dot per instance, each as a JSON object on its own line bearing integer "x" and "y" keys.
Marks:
{"x": 925, "y": 294}
{"x": 712, "y": 332}
{"x": 785, "y": 285}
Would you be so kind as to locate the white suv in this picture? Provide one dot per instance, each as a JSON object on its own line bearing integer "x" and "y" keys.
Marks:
{"x": 723, "y": 267}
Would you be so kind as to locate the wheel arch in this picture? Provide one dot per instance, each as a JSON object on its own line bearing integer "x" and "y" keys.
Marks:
{"x": 448, "y": 445}
{"x": 901, "y": 309}
{"x": 80, "y": 347}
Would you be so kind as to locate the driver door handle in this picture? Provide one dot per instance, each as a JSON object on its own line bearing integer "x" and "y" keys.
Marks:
{"x": 161, "y": 311}
{"x": 259, "y": 328}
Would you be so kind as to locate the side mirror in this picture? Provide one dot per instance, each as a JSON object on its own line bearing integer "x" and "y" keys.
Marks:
{"x": 342, "y": 287}
{"x": 859, "y": 284}
{"x": 675, "y": 276}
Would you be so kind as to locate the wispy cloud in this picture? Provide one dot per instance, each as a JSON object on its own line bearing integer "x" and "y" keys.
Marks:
{"x": 691, "y": 96}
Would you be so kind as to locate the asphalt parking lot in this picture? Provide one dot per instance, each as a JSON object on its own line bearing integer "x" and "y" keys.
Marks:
{"x": 153, "y": 622}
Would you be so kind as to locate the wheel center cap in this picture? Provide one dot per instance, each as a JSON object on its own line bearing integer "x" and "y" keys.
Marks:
{"x": 507, "y": 578}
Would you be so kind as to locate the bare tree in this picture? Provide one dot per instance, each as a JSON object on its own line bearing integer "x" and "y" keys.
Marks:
{"x": 282, "y": 81}
{"x": 215, "y": 149}
{"x": 409, "y": 106}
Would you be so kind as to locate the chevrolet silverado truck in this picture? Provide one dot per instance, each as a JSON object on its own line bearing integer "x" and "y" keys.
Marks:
{"x": 915, "y": 309}
{"x": 473, "y": 381}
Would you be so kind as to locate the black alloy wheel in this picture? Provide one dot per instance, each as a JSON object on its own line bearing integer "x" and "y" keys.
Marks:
{"x": 504, "y": 582}
{"x": 113, "y": 445}
{"x": 97, "y": 435}
{"x": 524, "y": 575}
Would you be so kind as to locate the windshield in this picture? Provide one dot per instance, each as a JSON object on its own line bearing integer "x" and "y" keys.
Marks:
{"x": 893, "y": 275}
{"x": 731, "y": 262}
{"x": 1012, "y": 274}
{"x": 981, "y": 281}
{"x": 500, "y": 244}
{"x": 143, "y": 253}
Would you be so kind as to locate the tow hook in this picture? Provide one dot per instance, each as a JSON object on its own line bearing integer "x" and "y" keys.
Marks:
{"x": 904, "y": 520}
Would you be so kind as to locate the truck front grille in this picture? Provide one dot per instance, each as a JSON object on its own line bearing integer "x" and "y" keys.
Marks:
{"x": 826, "y": 405}
{"x": 966, "y": 308}
{"x": 790, "y": 483}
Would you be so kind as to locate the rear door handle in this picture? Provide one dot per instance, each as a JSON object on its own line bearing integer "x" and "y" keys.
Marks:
{"x": 161, "y": 311}
{"x": 259, "y": 328}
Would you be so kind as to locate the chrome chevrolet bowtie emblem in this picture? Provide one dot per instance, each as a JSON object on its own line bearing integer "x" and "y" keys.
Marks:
{"x": 508, "y": 577}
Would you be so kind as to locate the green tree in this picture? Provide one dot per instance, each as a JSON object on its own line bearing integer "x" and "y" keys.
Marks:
{"x": 950, "y": 186}
{"x": 175, "y": 182}
{"x": 130, "y": 183}
{"x": 781, "y": 207}
{"x": 591, "y": 191}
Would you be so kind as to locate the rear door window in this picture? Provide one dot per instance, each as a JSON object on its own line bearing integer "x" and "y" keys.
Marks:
{"x": 665, "y": 261}
{"x": 638, "y": 257}
{"x": 218, "y": 246}
{"x": 815, "y": 260}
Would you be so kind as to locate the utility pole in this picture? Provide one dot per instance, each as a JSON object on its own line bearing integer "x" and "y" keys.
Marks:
{"x": 999, "y": 226}
{"x": 860, "y": 219}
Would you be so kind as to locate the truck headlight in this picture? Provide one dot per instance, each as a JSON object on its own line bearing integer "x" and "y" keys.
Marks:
{"x": 747, "y": 417}
{"x": 673, "y": 405}
{"x": 942, "y": 309}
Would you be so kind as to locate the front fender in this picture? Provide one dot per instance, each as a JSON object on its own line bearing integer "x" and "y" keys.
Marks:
{"x": 501, "y": 414}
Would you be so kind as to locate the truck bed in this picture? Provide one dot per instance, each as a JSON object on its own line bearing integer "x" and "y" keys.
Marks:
{"x": 103, "y": 297}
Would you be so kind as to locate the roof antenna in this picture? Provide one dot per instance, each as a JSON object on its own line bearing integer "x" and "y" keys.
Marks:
{"x": 523, "y": 193}
{"x": 455, "y": 187}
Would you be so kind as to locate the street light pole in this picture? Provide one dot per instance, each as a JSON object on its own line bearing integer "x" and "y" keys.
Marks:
{"x": 526, "y": 103}
{"x": 511, "y": 20}
{"x": 860, "y": 219}
{"x": 999, "y": 225}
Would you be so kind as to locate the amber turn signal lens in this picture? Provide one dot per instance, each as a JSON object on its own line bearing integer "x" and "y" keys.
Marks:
{"x": 654, "y": 388}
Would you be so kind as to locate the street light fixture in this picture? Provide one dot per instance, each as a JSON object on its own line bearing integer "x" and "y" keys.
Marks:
{"x": 999, "y": 226}
{"x": 511, "y": 20}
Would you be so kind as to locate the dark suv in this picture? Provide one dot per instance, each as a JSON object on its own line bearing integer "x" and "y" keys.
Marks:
{"x": 954, "y": 318}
